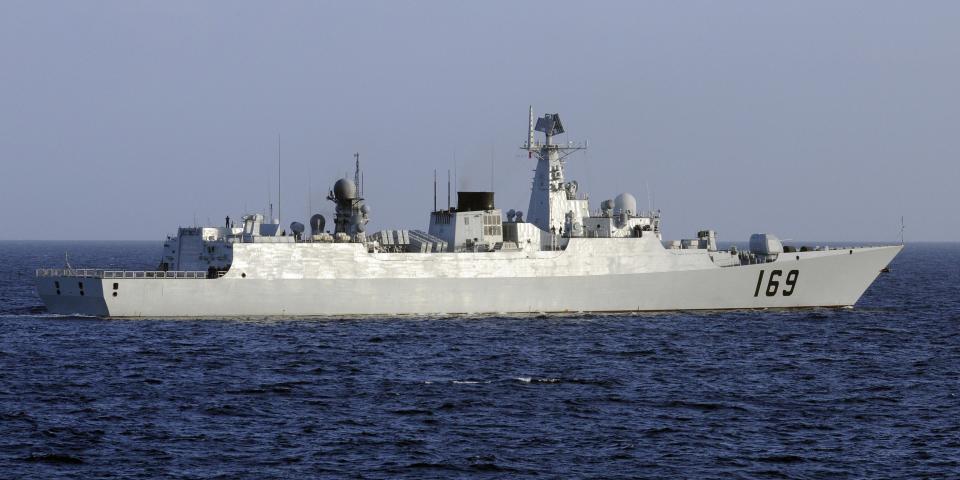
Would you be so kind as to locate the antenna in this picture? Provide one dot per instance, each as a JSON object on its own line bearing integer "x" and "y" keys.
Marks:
{"x": 278, "y": 181}
{"x": 649, "y": 201}
{"x": 448, "y": 189}
{"x": 356, "y": 173}
{"x": 491, "y": 166}
{"x": 309, "y": 192}
{"x": 901, "y": 229}
{"x": 434, "y": 189}
{"x": 530, "y": 133}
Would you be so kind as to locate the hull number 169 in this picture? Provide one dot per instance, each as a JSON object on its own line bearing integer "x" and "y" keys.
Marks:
{"x": 773, "y": 283}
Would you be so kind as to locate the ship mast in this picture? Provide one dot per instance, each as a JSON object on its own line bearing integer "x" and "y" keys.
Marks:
{"x": 548, "y": 196}
{"x": 356, "y": 174}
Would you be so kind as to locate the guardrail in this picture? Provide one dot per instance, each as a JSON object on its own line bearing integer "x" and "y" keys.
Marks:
{"x": 94, "y": 273}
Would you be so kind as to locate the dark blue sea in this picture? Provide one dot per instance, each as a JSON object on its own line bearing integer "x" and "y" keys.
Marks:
{"x": 869, "y": 392}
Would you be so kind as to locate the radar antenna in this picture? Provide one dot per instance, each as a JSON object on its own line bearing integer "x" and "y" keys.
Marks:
{"x": 550, "y": 125}
{"x": 549, "y": 193}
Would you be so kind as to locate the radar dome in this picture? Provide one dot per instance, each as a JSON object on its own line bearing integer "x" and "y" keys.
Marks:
{"x": 626, "y": 203}
{"x": 317, "y": 223}
{"x": 365, "y": 209}
{"x": 296, "y": 227}
{"x": 345, "y": 189}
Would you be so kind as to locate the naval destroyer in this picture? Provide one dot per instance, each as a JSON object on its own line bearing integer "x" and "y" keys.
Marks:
{"x": 560, "y": 255}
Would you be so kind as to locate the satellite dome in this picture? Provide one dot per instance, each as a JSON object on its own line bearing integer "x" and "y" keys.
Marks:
{"x": 345, "y": 189}
{"x": 296, "y": 227}
{"x": 626, "y": 203}
{"x": 365, "y": 209}
{"x": 317, "y": 222}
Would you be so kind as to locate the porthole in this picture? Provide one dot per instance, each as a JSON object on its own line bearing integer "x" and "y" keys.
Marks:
{"x": 80, "y": 284}
{"x": 116, "y": 286}
{"x": 851, "y": 252}
{"x": 81, "y": 293}
{"x": 56, "y": 283}
{"x": 114, "y": 294}
{"x": 58, "y": 291}
{"x": 243, "y": 275}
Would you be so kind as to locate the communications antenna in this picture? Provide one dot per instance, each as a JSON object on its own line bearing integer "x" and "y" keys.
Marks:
{"x": 356, "y": 174}
{"x": 278, "y": 181}
{"x": 492, "y": 156}
{"x": 901, "y": 229}
{"x": 549, "y": 125}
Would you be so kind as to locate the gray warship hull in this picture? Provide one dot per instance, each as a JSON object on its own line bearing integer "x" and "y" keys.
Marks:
{"x": 590, "y": 275}
{"x": 561, "y": 257}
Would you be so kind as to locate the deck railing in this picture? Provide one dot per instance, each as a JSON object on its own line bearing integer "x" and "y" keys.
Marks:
{"x": 95, "y": 273}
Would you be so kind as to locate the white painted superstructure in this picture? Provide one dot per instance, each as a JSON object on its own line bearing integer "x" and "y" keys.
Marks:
{"x": 560, "y": 258}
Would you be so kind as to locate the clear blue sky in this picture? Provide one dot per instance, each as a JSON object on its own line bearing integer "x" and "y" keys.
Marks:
{"x": 812, "y": 120}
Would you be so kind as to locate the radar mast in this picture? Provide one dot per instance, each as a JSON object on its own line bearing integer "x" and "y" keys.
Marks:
{"x": 549, "y": 195}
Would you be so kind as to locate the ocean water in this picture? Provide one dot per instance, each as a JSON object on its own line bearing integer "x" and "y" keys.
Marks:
{"x": 869, "y": 392}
